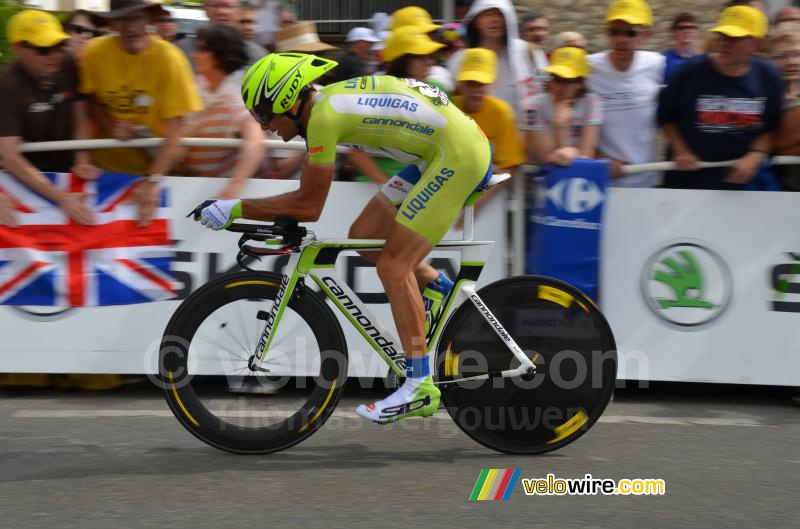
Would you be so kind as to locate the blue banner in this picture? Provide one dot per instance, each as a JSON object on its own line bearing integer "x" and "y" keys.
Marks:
{"x": 565, "y": 222}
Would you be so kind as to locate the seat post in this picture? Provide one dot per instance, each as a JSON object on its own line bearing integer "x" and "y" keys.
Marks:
{"x": 469, "y": 221}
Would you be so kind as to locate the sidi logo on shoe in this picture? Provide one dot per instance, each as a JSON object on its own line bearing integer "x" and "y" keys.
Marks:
{"x": 406, "y": 407}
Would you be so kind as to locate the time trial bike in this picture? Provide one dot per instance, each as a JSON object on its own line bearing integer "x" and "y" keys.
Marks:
{"x": 255, "y": 362}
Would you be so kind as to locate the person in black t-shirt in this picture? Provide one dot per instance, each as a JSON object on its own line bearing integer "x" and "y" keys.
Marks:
{"x": 37, "y": 98}
{"x": 722, "y": 106}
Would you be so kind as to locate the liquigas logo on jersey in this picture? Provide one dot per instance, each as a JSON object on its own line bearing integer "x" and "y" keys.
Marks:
{"x": 687, "y": 285}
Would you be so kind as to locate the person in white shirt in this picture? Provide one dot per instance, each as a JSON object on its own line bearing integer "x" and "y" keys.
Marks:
{"x": 628, "y": 80}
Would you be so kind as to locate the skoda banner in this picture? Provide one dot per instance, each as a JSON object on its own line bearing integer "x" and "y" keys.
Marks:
{"x": 564, "y": 224}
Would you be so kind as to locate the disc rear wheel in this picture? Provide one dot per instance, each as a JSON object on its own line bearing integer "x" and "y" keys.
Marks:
{"x": 566, "y": 337}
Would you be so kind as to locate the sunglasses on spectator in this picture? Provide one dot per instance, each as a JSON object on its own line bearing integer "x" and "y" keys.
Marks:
{"x": 624, "y": 32}
{"x": 564, "y": 80}
{"x": 679, "y": 28}
{"x": 43, "y": 50}
{"x": 246, "y": 21}
{"x": 80, "y": 30}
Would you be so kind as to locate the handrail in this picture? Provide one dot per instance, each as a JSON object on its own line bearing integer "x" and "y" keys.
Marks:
{"x": 69, "y": 145}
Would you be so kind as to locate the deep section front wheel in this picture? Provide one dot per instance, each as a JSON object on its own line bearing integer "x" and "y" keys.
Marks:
{"x": 221, "y": 395}
{"x": 569, "y": 341}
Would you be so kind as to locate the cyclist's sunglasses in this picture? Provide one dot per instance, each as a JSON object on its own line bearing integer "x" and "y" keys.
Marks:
{"x": 43, "y": 50}
{"x": 80, "y": 30}
{"x": 624, "y": 32}
{"x": 262, "y": 113}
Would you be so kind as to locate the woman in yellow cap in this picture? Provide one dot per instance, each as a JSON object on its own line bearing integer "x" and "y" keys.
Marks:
{"x": 563, "y": 122}
{"x": 408, "y": 54}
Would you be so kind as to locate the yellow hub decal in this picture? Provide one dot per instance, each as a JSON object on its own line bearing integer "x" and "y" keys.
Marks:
{"x": 556, "y": 296}
{"x": 570, "y": 427}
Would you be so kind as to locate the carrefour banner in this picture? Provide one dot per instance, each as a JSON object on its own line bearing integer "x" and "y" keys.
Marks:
{"x": 565, "y": 222}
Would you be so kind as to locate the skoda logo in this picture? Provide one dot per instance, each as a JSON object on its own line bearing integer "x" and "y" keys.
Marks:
{"x": 575, "y": 195}
{"x": 687, "y": 285}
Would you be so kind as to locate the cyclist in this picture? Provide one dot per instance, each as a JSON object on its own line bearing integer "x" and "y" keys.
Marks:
{"x": 448, "y": 157}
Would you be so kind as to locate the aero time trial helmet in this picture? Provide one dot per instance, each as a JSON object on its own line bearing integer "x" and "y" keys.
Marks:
{"x": 272, "y": 85}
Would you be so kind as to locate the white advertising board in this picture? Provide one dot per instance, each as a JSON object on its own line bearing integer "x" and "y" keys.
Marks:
{"x": 703, "y": 286}
{"x": 124, "y": 339}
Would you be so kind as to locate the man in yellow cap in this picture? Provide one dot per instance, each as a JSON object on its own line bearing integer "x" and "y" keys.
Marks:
{"x": 37, "y": 102}
{"x": 493, "y": 115}
{"x": 723, "y": 106}
{"x": 628, "y": 79}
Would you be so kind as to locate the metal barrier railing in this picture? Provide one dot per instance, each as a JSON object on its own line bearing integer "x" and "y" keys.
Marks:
{"x": 517, "y": 206}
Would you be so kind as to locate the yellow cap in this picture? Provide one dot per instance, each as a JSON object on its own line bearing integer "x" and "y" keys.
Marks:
{"x": 569, "y": 63}
{"x": 635, "y": 12}
{"x": 412, "y": 40}
{"x": 479, "y": 65}
{"x": 36, "y": 27}
{"x": 413, "y": 16}
{"x": 741, "y": 21}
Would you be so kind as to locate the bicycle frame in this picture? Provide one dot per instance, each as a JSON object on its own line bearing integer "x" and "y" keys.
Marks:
{"x": 317, "y": 259}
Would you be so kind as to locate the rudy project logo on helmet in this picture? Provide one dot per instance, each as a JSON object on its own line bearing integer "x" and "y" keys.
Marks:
{"x": 687, "y": 285}
{"x": 293, "y": 87}
{"x": 575, "y": 195}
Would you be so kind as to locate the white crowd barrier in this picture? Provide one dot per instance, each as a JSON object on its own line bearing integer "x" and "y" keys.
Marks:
{"x": 700, "y": 286}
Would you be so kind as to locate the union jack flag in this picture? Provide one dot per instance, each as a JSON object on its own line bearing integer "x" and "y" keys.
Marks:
{"x": 50, "y": 260}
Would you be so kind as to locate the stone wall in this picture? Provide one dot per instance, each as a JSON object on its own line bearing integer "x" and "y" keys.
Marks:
{"x": 586, "y": 17}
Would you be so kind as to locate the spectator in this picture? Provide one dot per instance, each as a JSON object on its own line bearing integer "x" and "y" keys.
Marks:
{"x": 408, "y": 53}
{"x": 722, "y": 106}
{"x": 570, "y": 39}
{"x": 492, "y": 24}
{"x": 166, "y": 28}
{"x": 627, "y": 80}
{"x": 684, "y": 35}
{"x": 790, "y": 14}
{"x": 287, "y": 18}
{"x": 227, "y": 13}
{"x": 534, "y": 30}
{"x": 247, "y": 23}
{"x": 219, "y": 53}
{"x": 37, "y": 102}
{"x": 268, "y": 20}
{"x": 301, "y": 37}
{"x": 452, "y": 36}
{"x": 784, "y": 51}
{"x": 81, "y": 26}
{"x": 137, "y": 85}
{"x": 413, "y": 16}
{"x": 563, "y": 122}
{"x": 493, "y": 115}
{"x": 438, "y": 76}
{"x": 355, "y": 61}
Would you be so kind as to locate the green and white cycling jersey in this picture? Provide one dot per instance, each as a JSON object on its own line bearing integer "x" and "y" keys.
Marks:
{"x": 413, "y": 123}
